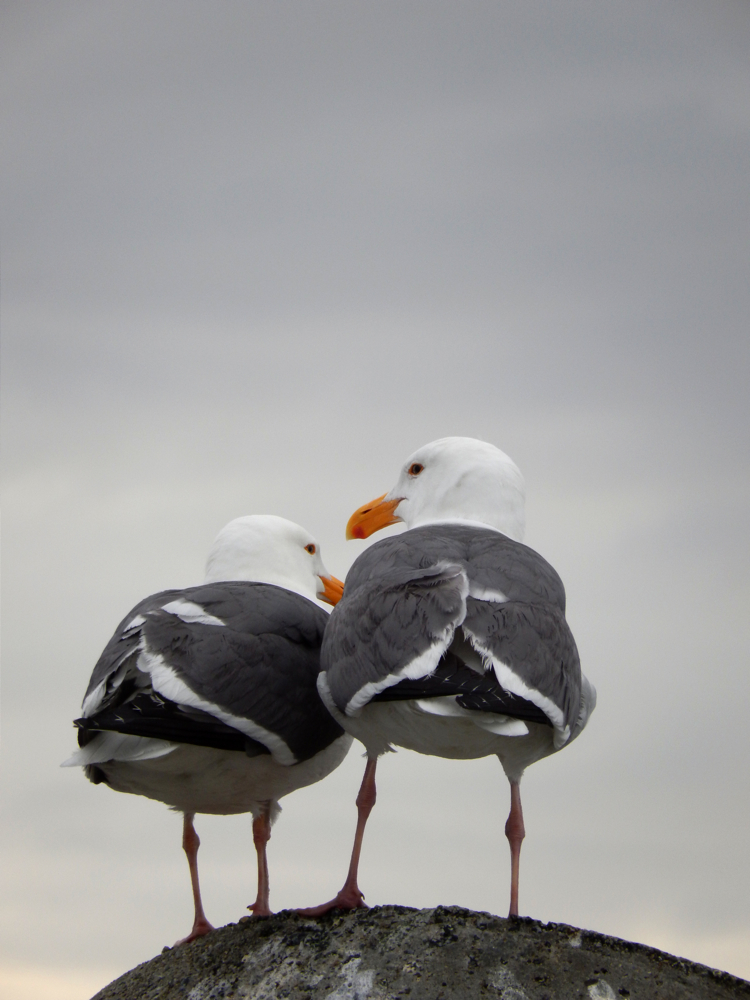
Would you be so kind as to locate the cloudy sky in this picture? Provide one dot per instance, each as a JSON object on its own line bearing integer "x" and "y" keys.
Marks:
{"x": 257, "y": 253}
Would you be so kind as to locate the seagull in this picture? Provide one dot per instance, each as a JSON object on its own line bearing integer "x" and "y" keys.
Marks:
{"x": 205, "y": 698}
{"x": 451, "y": 637}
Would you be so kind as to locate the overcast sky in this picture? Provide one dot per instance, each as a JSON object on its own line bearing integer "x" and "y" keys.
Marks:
{"x": 257, "y": 253}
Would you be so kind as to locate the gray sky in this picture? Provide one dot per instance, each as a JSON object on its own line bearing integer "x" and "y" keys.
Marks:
{"x": 257, "y": 253}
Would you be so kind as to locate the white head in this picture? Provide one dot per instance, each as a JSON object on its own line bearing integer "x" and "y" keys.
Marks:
{"x": 263, "y": 548}
{"x": 453, "y": 479}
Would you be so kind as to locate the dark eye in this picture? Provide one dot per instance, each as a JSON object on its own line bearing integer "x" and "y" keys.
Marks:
{"x": 415, "y": 469}
{"x": 311, "y": 549}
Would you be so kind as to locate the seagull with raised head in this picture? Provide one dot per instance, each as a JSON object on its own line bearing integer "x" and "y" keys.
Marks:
{"x": 206, "y": 698}
{"x": 451, "y": 637}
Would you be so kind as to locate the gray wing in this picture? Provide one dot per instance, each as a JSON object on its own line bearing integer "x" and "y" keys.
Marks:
{"x": 533, "y": 655}
{"x": 246, "y": 655}
{"x": 381, "y": 645}
{"x": 117, "y": 663}
{"x": 388, "y": 631}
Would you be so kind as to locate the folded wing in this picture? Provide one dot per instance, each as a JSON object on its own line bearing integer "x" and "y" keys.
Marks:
{"x": 229, "y": 665}
{"x": 484, "y": 625}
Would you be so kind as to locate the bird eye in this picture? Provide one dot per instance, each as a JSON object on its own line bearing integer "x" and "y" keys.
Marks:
{"x": 415, "y": 469}
{"x": 311, "y": 549}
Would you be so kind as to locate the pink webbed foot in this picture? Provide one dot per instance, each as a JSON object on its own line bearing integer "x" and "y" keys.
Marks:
{"x": 200, "y": 928}
{"x": 350, "y": 898}
{"x": 260, "y": 909}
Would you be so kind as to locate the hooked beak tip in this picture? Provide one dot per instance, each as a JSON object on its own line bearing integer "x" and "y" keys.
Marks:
{"x": 373, "y": 516}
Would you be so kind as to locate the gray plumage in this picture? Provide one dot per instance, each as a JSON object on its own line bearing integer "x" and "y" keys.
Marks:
{"x": 206, "y": 698}
{"x": 259, "y": 662}
{"x": 410, "y": 593}
{"x": 450, "y": 639}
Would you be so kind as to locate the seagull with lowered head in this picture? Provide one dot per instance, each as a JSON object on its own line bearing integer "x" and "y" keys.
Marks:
{"x": 206, "y": 699}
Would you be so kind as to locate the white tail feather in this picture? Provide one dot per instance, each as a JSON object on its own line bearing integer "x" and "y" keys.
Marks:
{"x": 117, "y": 746}
{"x": 501, "y": 725}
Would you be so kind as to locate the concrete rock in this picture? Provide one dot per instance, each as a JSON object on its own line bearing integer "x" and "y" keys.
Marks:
{"x": 392, "y": 952}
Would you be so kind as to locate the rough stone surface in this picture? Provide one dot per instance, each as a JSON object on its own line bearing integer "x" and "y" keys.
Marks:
{"x": 392, "y": 952}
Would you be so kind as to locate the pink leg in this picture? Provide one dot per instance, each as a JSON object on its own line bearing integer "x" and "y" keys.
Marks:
{"x": 515, "y": 832}
{"x": 261, "y": 836}
{"x": 190, "y": 844}
{"x": 350, "y": 897}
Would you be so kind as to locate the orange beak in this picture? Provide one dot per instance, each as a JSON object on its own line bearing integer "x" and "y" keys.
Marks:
{"x": 372, "y": 517}
{"x": 333, "y": 590}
